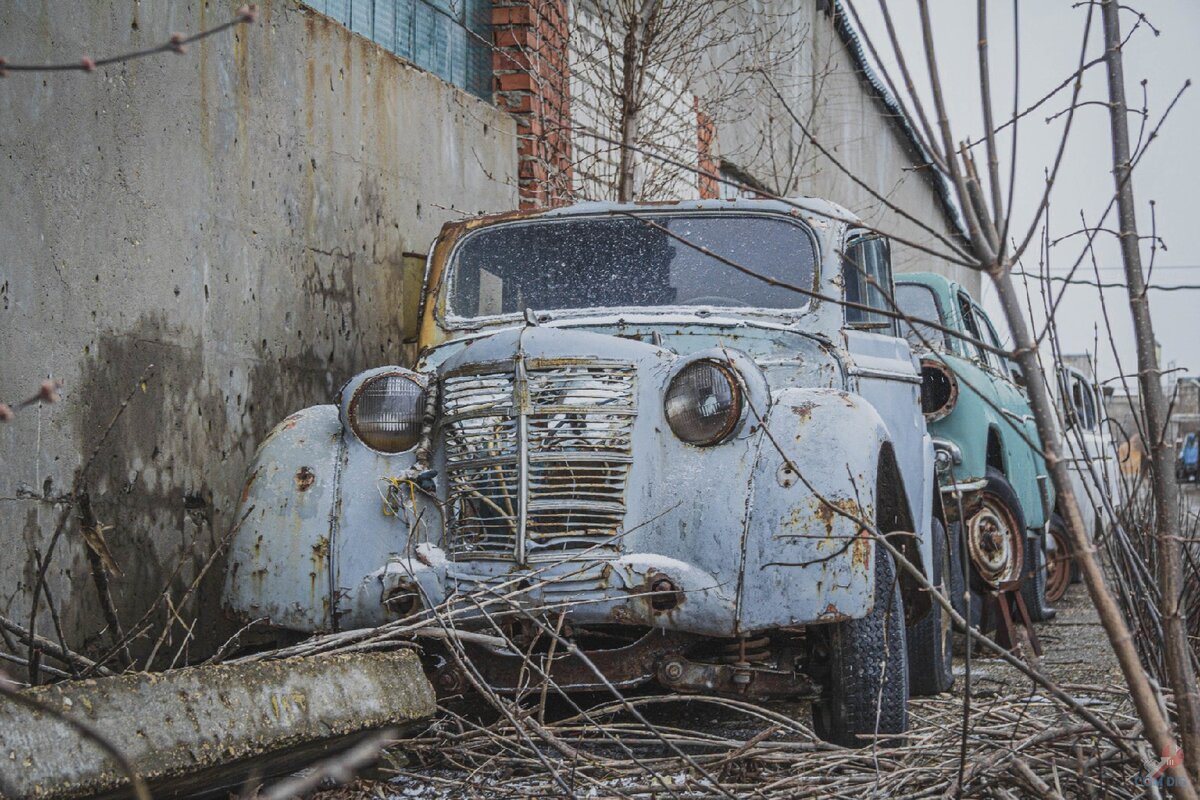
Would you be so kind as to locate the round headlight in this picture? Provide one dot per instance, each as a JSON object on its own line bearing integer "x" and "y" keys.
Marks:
{"x": 386, "y": 412}
{"x": 703, "y": 402}
{"x": 939, "y": 390}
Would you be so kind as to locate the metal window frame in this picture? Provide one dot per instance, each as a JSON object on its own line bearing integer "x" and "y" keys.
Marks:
{"x": 458, "y": 53}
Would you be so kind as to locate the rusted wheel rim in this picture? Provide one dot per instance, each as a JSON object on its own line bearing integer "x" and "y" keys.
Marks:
{"x": 996, "y": 544}
{"x": 1058, "y": 566}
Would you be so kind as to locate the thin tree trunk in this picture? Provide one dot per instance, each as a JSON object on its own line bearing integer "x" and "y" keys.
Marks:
{"x": 639, "y": 26}
{"x": 1154, "y": 407}
{"x": 629, "y": 111}
{"x": 1157, "y": 726}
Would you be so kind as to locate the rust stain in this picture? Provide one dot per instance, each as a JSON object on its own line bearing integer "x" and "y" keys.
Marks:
{"x": 304, "y": 479}
{"x": 622, "y": 616}
{"x": 320, "y": 550}
{"x": 249, "y": 484}
{"x": 804, "y": 410}
{"x": 825, "y": 513}
{"x": 860, "y": 551}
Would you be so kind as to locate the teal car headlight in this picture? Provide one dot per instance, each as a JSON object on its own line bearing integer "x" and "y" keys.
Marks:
{"x": 703, "y": 403}
{"x": 939, "y": 389}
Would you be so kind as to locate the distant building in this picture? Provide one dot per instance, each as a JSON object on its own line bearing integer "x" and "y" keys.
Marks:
{"x": 1183, "y": 396}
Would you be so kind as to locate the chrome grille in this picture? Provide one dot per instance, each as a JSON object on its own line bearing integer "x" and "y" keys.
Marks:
{"x": 578, "y": 420}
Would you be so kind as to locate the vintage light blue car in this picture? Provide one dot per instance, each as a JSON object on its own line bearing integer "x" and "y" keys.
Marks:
{"x": 654, "y": 431}
{"x": 979, "y": 413}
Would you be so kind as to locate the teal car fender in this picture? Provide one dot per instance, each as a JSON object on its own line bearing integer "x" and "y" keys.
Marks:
{"x": 988, "y": 416}
{"x": 986, "y": 431}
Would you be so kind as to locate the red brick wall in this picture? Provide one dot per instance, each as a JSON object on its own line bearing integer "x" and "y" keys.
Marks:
{"x": 706, "y": 131}
{"x": 531, "y": 69}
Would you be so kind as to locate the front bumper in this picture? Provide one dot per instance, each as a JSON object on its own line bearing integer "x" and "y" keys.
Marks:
{"x": 639, "y": 589}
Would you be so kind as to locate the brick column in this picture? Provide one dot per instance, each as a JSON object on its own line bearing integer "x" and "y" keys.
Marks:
{"x": 531, "y": 68}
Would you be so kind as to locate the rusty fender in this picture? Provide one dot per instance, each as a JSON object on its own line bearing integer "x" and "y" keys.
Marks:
{"x": 804, "y": 560}
{"x": 289, "y": 556}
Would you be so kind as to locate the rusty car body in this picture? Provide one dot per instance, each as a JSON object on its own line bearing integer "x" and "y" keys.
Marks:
{"x": 655, "y": 431}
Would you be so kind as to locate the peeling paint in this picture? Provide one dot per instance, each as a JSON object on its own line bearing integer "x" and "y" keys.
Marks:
{"x": 304, "y": 477}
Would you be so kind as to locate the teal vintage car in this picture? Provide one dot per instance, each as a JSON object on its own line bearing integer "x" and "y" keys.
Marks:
{"x": 979, "y": 415}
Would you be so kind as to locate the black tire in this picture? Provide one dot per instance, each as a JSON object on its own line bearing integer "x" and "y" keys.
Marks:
{"x": 1060, "y": 566}
{"x": 1033, "y": 581}
{"x": 959, "y": 569}
{"x": 867, "y": 688}
{"x": 931, "y": 639}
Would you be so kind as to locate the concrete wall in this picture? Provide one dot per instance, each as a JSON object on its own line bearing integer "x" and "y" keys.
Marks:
{"x": 243, "y": 217}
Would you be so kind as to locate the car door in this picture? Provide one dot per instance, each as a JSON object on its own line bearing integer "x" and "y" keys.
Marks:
{"x": 1024, "y": 466}
{"x": 882, "y": 368}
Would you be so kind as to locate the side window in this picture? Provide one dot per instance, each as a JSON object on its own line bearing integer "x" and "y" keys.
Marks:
{"x": 997, "y": 361}
{"x": 1084, "y": 402}
{"x": 867, "y": 274}
{"x": 966, "y": 310}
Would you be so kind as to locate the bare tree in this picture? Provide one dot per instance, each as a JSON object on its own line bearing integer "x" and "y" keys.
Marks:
{"x": 1154, "y": 408}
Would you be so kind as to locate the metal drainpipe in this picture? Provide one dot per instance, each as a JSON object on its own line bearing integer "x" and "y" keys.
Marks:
{"x": 521, "y": 401}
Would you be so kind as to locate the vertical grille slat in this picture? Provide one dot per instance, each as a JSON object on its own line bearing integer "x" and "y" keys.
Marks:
{"x": 579, "y": 429}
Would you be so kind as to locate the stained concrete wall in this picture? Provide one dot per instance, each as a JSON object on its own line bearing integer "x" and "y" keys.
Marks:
{"x": 243, "y": 217}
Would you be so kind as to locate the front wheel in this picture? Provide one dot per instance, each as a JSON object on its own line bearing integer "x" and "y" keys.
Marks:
{"x": 995, "y": 533}
{"x": 867, "y": 690}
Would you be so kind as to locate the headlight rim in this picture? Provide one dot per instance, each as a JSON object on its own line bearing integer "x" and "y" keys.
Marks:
{"x": 738, "y": 390}
{"x": 951, "y": 402}
{"x": 360, "y": 384}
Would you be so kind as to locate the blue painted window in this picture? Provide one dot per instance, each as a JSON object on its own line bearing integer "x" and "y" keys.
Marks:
{"x": 450, "y": 38}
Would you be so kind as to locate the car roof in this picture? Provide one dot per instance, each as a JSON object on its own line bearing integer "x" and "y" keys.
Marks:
{"x": 940, "y": 284}
{"x": 806, "y": 205}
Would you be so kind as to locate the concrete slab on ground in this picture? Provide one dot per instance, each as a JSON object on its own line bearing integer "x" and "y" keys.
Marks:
{"x": 205, "y": 726}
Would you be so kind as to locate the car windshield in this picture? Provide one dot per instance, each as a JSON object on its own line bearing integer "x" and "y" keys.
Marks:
{"x": 622, "y": 261}
{"x": 917, "y": 302}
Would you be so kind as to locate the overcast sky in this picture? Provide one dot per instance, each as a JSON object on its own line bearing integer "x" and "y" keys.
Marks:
{"x": 1051, "y": 33}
